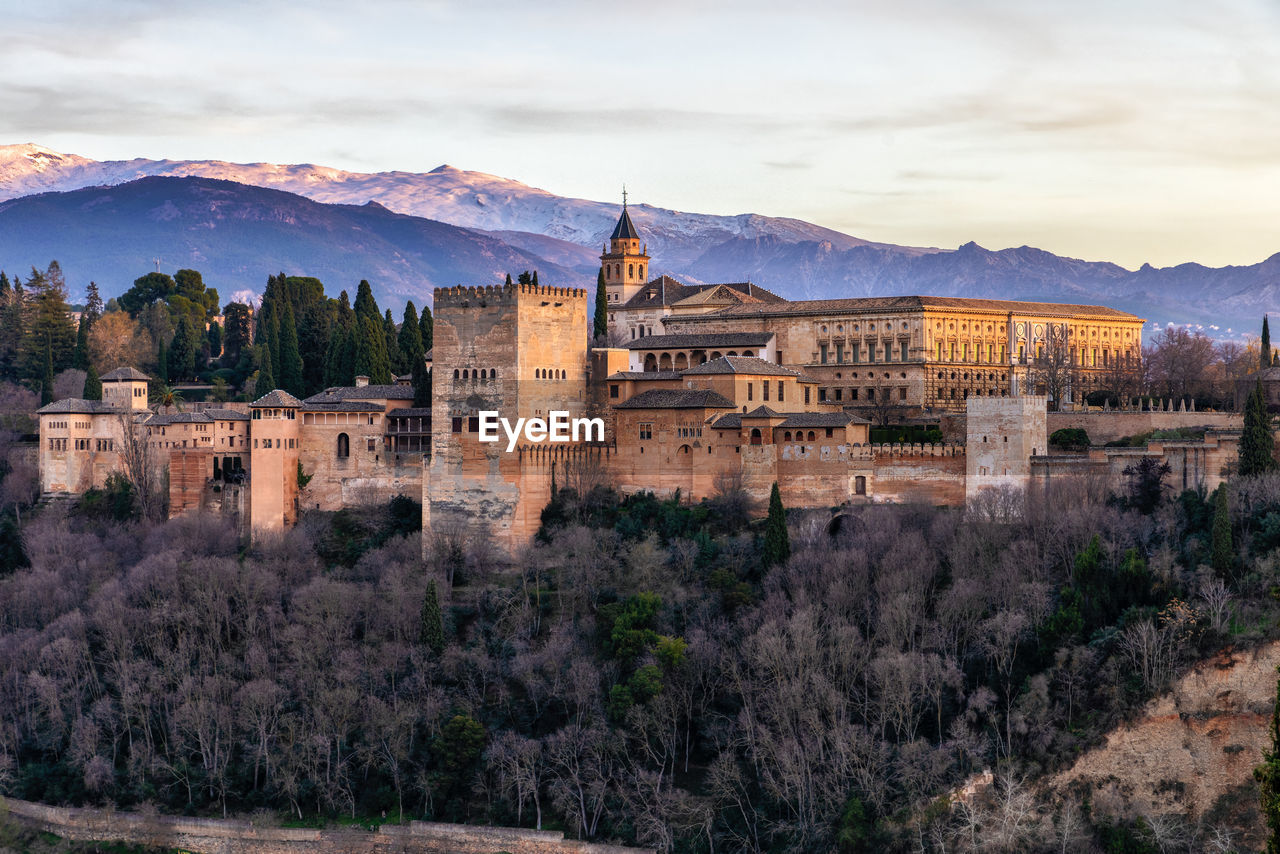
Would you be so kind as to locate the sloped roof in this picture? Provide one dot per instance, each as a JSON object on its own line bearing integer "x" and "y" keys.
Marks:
{"x": 822, "y": 419}
{"x": 277, "y": 397}
{"x": 411, "y": 412}
{"x": 367, "y": 392}
{"x": 665, "y": 290}
{"x": 121, "y": 374}
{"x": 762, "y": 411}
{"x": 179, "y": 418}
{"x": 742, "y": 365}
{"x": 711, "y": 339}
{"x": 342, "y": 406}
{"x": 625, "y": 229}
{"x": 732, "y": 421}
{"x": 77, "y": 406}
{"x": 677, "y": 398}
{"x": 220, "y": 414}
{"x": 860, "y": 305}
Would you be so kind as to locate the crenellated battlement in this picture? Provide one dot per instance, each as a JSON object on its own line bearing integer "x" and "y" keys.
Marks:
{"x": 894, "y": 449}
{"x": 464, "y": 295}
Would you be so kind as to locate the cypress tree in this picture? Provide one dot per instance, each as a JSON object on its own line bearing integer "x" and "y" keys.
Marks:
{"x": 601, "y": 327}
{"x": 1256, "y": 443}
{"x": 421, "y": 385}
{"x": 392, "y": 345}
{"x": 290, "y": 364}
{"x": 371, "y": 350}
{"x": 92, "y": 385}
{"x": 1268, "y": 777}
{"x": 1221, "y": 533}
{"x": 272, "y": 337}
{"x": 80, "y": 360}
{"x": 1265, "y": 346}
{"x": 509, "y": 282}
{"x": 338, "y": 369}
{"x": 162, "y": 364}
{"x": 431, "y": 631}
{"x": 46, "y": 383}
{"x": 214, "y": 337}
{"x": 410, "y": 340}
{"x": 182, "y": 356}
{"x": 428, "y": 325}
{"x": 266, "y": 376}
{"x": 777, "y": 543}
{"x": 535, "y": 278}
{"x": 366, "y": 305}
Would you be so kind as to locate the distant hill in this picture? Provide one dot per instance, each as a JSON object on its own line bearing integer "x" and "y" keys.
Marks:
{"x": 237, "y": 235}
{"x": 517, "y": 227}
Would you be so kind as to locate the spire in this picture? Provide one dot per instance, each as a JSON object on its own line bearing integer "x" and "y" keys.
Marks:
{"x": 625, "y": 229}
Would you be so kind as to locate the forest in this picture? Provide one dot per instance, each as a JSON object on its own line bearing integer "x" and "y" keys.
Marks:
{"x": 688, "y": 677}
{"x": 296, "y": 338}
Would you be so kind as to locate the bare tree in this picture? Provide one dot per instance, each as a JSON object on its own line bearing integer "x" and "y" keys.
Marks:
{"x": 139, "y": 465}
{"x": 1178, "y": 362}
{"x": 1053, "y": 370}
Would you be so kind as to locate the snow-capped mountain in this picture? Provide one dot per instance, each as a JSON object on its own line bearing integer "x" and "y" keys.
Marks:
{"x": 469, "y": 199}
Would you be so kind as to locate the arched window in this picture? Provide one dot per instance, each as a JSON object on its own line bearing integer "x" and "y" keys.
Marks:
{"x": 465, "y": 374}
{"x": 684, "y": 449}
{"x": 786, "y": 437}
{"x": 650, "y": 362}
{"x": 344, "y": 446}
{"x": 756, "y": 438}
{"x": 631, "y": 271}
{"x": 664, "y": 364}
{"x": 642, "y": 271}
{"x": 811, "y": 436}
{"x": 455, "y": 373}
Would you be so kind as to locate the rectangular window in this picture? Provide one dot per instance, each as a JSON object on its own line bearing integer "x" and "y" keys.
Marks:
{"x": 780, "y": 392}
{"x": 646, "y": 431}
{"x": 750, "y": 391}
{"x": 839, "y": 394}
{"x": 953, "y": 351}
{"x": 806, "y": 394}
{"x": 902, "y": 394}
{"x": 822, "y": 353}
{"x": 822, "y": 395}
{"x": 372, "y": 444}
{"x": 765, "y": 391}
{"x": 457, "y": 425}
{"x": 853, "y": 352}
{"x": 779, "y": 362}
{"x": 839, "y": 352}
{"x": 613, "y": 390}
{"x": 902, "y": 355}
{"x": 853, "y": 394}
{"x": 473, "y": 424}
{"x": 830, "y": 432}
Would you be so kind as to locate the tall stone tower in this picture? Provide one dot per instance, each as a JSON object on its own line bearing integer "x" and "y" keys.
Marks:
{"x": 624, "y": 262}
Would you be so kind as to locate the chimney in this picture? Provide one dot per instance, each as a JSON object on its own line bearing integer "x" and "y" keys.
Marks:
{"x": 361, "y": 382}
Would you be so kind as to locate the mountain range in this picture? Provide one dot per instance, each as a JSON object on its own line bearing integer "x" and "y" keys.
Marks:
{"x": 408, "y": 232}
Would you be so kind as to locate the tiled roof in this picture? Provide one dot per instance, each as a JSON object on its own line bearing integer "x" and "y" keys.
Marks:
{"x": 867, "y": 305}
{"x": 762, "y": 412}
{"x": 677, "y": 398}
{"x": 646, "y": 375}
{"x": 76, "y": 406}
{"x": 625, "y": 229}
{"x": 822, "y": 419}
{"x": 342, "y": 406}
{"x": 668, "y": 291}
{"x": 411, "y": 412}
{"x": 733, "y": 421}
{"x": 120, "y": 374}
{"x": 713, "y": 339}
{"x": 179, "y": 418}
{"x": 366, "y": 392}
{"x": 278, "y": 397}
{"x": 220, "y": 414}
{"x": 741, "y": 365}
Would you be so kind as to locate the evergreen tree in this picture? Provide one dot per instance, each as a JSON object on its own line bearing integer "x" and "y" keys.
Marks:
{"x": 1223, "y": 550}
{"x": 509, "y": 282}
{"x": 80, "y": 360}
{"x": 271, "y": 336}
{"x": 266, "y": 376}
{"x": 431, "y": 631}
{"x": 1268, "y": 777}
{"x": 1256, "y": 443}
{"x": 92, "y": 302}
{"x": 46, "y": 324}
{"x": 366, "y": 305}
{"x": 524, "y": 278}
{"x": 428, "y": 325}
{"x": 214, "y": 339}
{"x": 410, "y": 341}
{"x": 340, "y": 369}
{"x": 534, "y": 282}
{"x": 92, "y": 385}
{"x": 46, "y": 383}
{"x": 11, "y": 322}
{"x": 601, "y": 326}
{"x": 371, "y": 350}
{"x": 290, "y": 364}
{"x": 238, "y": 318}
{"x": 1264, "y": 350}
{"x": 182, "y": 355}
{"x": 421, "y": 385}
{"x": 394, "y": 358}
{"x": 162, "y": 364}
{"x": 777, "y": 543}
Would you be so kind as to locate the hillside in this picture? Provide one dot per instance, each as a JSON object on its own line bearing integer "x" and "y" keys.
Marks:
{"x": 237, "y": 235}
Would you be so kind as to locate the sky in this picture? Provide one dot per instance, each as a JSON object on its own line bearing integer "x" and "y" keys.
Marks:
{"x": 1126, "y": 130}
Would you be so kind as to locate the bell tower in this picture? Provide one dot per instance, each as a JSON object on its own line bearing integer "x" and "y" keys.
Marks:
{"x": 624, "y": 263}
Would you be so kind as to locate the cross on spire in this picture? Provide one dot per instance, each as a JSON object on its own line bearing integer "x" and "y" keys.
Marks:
{"x": 624, "y": 195}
